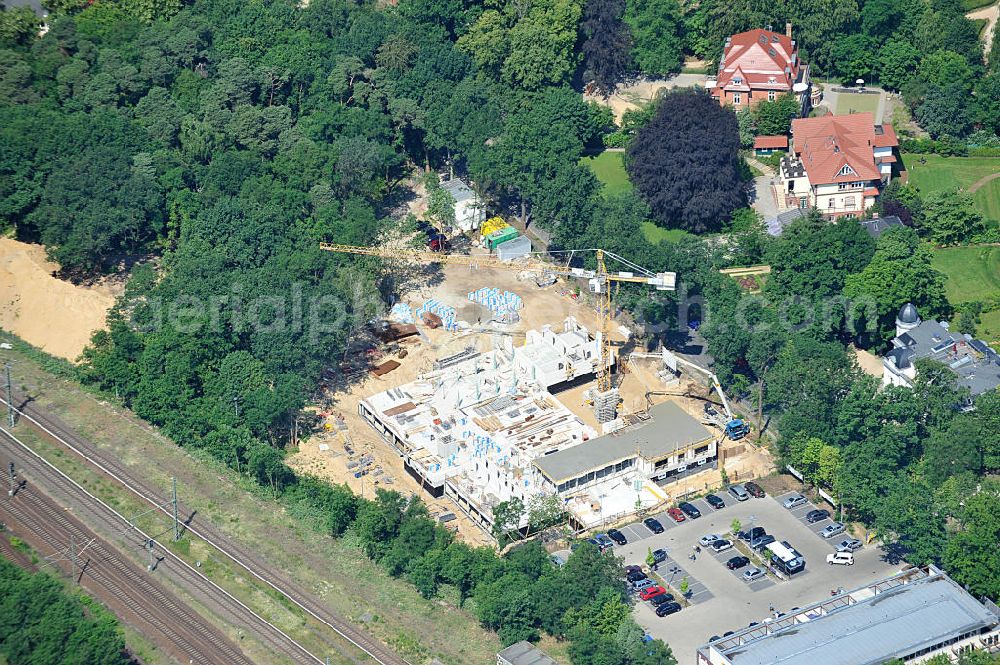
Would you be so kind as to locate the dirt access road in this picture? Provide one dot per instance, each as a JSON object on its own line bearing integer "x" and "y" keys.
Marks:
{"x": 989, "y": 14}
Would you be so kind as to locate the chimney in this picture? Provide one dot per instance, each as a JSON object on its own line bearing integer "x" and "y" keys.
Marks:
{"x": 788, "y": 29}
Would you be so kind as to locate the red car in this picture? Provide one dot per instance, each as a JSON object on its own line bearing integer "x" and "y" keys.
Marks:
{"x": 651, "y": 591}
{"x": 676, "y": 514}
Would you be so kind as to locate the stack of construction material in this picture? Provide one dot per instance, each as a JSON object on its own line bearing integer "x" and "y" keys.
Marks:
{"x": 504, "y": 304}
{"x": 490, "y": 225}
{"x": 444, "y": 312}
{"x": 401, "y": 313}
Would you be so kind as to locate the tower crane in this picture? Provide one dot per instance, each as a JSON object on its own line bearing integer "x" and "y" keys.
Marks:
{"x": 599, "y": 282}
{"x": 735, "y": 428}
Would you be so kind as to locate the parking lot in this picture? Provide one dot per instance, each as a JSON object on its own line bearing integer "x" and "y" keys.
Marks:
{"x": 720, "y": 599}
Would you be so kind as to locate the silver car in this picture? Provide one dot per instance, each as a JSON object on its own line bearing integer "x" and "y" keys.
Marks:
{"x": 708, "y": 539}
{"x": 795, "y": 501}
{"x": 832, "y": 530}
{"x": 752, "y": 574}
{"x": 849, "y": 545}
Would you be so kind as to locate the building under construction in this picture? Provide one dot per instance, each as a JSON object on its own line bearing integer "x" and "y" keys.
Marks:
{"x": 483, "y": 428}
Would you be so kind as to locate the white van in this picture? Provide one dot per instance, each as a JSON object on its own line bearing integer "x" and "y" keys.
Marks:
{"x": 840, "y": 559}
{"x": 739, "y": 492}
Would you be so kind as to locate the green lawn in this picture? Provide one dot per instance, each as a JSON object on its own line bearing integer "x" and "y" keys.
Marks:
{"x": 609, "y": 167}
{"x": 973, "y": 272}
{"x": 657, "y": 234}
{"x": 988, "y": 329}
{"x": 988, "y": 200}
{"x": 939, "y": 173}
{"x": 849, "y": 102}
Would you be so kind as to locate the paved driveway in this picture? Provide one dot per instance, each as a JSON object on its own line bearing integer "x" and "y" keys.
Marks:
{"x": 727, "y": 602}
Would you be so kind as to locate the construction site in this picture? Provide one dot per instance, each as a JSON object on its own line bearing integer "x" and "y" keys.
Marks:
{"x": 501, "y": 380}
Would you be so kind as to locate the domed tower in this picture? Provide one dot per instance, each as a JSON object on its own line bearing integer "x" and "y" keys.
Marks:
{"x": 907, "y": 319}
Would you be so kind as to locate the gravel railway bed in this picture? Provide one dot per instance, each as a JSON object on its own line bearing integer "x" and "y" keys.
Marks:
{"x": 60, "y": 433}
{"x": 131, "y": 592}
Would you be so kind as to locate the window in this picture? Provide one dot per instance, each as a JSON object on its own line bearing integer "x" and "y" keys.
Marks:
{"x": 832, "y": 204}
{"x": 849, "y": 202}
{"x": 849, "y": 185}
{"x": 738, "y": 81}
{"x": 737, "y": 99}
{"x": 803, "y": 202}
{"x": 770, "y": 95}
{"x": 847, "y": 170}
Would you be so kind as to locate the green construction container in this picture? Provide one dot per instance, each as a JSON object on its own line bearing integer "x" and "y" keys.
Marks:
{"x": 500, "y": 236}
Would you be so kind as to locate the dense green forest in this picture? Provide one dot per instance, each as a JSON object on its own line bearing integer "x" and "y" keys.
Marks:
{"x": 214, "y": 144}
{"x": 41, "y": 623}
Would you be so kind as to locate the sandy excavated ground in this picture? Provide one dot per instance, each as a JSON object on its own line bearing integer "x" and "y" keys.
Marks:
{"x": 50, "y": 313}
{"x": 326, "y": 456}
{"x": 989, "y": 13}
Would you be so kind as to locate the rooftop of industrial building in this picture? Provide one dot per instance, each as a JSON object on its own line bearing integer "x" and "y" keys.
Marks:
{"x": 667, "y": 430}
{"x": 914, "y": 610}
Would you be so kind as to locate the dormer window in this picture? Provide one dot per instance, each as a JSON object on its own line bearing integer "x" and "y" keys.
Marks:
{"x": 847, "y": 170}
{"x": 738, "y": 81}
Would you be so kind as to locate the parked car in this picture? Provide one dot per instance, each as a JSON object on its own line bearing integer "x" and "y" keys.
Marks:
{"x": 659, "y": 556}
{"x": 689, "y": 509}
{"x": 651, "y": 591}
{"x": 738, "y": 492}
{"x": 438, "y": 243}
{"x": 831, "y": 530}
{"x": 659, "y": 599}
{"x": 752, "y": 534}
{"x": 760, "y": 543}
{"x": 639, "y": 585}
{"x": 849, "y": 545}
{"x": 635, "y": 576}
{"x": 752, "y": 574}
{"x": 653, "y": 524}
{"x": 754, "y": 489}
{"x": 667, "y": 608}
{"x": 817, "y": 515}
{"x": 708, "y": 539}
{"x": 737, "y": 562}
{"x": 604, "y": 541}
{"x": 715, "y": 501}
{"x": 795, "y": 501}
{"x": 617, "y": 536}
{"x": 676, "y": 514}
{"x": 840, "y": 559}
{"x": 633, "y": 569}
{"x": 721, "y": 545}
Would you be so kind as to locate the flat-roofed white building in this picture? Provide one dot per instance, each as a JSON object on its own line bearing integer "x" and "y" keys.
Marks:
{"x": 912, "y": 616}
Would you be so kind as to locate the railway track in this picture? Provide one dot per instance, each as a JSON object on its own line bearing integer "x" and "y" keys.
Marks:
{"x": 125, "y": 586}
{"x": 53, "y": 428}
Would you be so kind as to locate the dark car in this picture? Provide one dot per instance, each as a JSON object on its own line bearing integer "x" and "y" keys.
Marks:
{"x": 737, "y": 562}
{"x": 667, "y": 608}
{"x": 653, "y": 524}
{"x": 659, "y": 556}
{"x": 760, "y": 543}
{"x": 689, "y": 509}
{"x": 754, "y": 489}
{"x": 633, "y": 569}
{"x": 617, "y": 536}
{"x": 661, "y": 598}
{"x": 438, "y": 243}
{"x": 635, "y": 576}
{"x": 817, "y": 515}
{"x": 752, "y": 534}
{"x": 715, "y": 501}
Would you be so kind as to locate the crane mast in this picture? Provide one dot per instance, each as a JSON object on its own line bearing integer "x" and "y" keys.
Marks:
{"x": 599, "y": 282}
